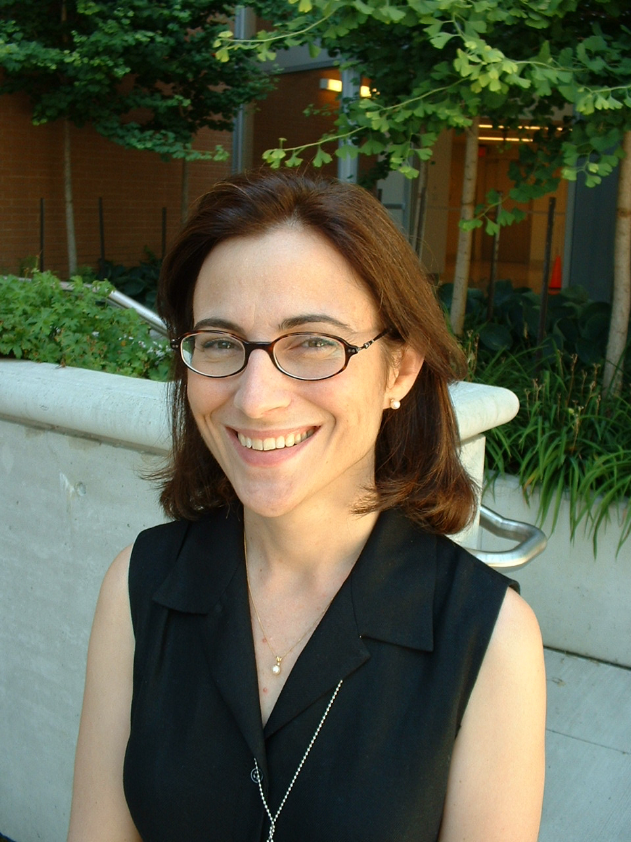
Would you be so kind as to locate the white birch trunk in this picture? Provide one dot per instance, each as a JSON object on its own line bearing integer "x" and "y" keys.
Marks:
{"x": 621, "y": 299}
{"x": 465, "y": 238}
{"x": 70, "y": 234}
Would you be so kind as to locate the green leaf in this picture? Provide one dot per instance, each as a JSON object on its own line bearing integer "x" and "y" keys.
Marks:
{"x": 470, "y": 224}
{"x": 393, "y": 13}
{"x": 544, "y": 53}
{"x": 321, "y": 158}
{"x": 568, "y": 92}
{"x": 347, "y": 150}
{"x": 273, "y": 157}
{"x": 294, "y": 160}
{"x": 372, "y": 146}
{"x": 364, "y": 8}
{"x": 441, "y": 39}
{"x": 495, "y": 337}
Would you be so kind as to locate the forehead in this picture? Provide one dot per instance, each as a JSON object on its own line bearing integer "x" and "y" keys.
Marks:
{"x": 264, "y": 280}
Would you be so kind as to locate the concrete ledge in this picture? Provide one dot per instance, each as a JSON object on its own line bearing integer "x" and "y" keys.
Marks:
{"x": 480, "y": 408}
{"x": 109, "y": 407}
{"x": 131, "y": 411}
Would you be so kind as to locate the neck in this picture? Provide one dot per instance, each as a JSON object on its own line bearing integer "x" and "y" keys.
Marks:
{"x": 315, "y": 544}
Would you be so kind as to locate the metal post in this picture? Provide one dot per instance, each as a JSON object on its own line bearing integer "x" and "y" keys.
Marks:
{"x": 102, "y": 239}
{"x": 546, "y": 277}
{"x": 420, "y": 212}
{"x": 493, "y": 272}
{"x": 239, "y": 129}
{"x": 41, "y": 235}
{"x": 347, "y": 167}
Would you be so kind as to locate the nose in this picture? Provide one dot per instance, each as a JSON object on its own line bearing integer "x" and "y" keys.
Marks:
{"x": 261, "y": 387}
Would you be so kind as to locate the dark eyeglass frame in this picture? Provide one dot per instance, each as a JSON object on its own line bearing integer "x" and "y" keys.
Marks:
{"x": 268, "y": 347}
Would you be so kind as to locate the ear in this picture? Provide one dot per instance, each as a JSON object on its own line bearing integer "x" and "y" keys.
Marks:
{"x": 403, "y": 375}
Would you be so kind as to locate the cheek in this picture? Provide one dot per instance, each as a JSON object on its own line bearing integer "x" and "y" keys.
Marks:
{"x": 203, "y": 396}
{"x": 363, "y": 409}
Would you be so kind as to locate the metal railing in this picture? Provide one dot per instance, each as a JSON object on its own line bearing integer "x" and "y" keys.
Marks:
{"x": 120, "y": 300}
{"x": 532, "y": 541}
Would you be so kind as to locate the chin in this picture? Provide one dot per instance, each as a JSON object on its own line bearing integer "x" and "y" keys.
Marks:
{"x": 266, "y": 501}
{"x": 265, "y": 509}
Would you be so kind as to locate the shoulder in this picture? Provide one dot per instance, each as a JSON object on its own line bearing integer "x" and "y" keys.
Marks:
{"x": 496, "y": 778}
{"x": 154, "y": 552}
{"x": 454, "y": 560}
{"x": 99, "y": 811}
{"x": 514, "y": 657}
{"x": 474, "y": 609}
{"x": 113, "y": 596}
{"x": 467, "y": 588}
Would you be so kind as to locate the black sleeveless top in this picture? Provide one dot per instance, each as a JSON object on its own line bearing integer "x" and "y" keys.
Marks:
{"x": 407, "y": 633}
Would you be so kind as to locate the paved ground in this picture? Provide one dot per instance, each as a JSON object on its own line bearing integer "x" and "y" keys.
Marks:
{"x": 588, "y": 784}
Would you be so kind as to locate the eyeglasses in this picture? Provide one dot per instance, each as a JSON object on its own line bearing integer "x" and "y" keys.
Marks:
{"x": 303, "y": 356}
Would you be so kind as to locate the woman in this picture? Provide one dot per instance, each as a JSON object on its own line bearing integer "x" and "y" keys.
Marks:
{"x": 304, "y": 656}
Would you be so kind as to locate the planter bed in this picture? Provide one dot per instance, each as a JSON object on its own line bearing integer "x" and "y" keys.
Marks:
{"x": 582, "y": 602}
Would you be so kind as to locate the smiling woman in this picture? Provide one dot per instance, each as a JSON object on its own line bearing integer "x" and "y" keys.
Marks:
{"x": 306, "y": 656}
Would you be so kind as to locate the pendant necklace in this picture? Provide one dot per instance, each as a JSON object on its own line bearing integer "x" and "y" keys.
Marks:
{"x": 256, "y": 774}
{"x": 276, "y": 669}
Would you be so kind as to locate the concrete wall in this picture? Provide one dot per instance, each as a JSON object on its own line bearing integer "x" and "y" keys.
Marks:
{"x": 582, "y": 602}
{"x": 69, "y": 504}
{"x": 72, "y": 446}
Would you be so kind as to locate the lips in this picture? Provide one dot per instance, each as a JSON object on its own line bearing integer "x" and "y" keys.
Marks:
{"x": 277, "y": 442}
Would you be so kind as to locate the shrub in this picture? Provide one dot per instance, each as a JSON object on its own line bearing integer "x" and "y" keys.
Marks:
{"x": 41, "y": 321}
{"x": 567, "y": 440}
{"x": 138, "y": 282}
{"x": 574, "y": 324}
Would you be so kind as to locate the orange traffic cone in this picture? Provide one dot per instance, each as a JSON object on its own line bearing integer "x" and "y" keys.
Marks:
{"x": 556, "y": 277}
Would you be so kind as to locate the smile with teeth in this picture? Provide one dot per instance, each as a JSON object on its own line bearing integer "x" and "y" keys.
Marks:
{"x": 277, "y": 443}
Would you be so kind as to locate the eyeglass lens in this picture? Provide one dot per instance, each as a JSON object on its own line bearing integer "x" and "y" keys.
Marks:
{"x": 309, "y": 356}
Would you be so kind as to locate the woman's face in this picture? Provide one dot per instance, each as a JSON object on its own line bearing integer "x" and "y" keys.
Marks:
{"x": 260, "y": 288}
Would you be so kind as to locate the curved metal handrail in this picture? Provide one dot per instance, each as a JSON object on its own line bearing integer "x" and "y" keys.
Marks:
{"x": 532, "y": 540}
{"x": 119, "y": 299}
{"x": 122, "y": 300}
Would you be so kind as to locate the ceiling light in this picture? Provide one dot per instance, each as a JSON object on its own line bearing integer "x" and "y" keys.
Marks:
{"x": 331, "y": 85}
{"x": 335, "y": 85}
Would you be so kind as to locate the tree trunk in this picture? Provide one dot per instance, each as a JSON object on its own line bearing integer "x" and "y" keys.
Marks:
{"x": 465, "y": 238}
{"x": 420, "y": 211}
{"x": 184, "y": 194}
{"x": 621, "y": 300}
{"x": 70, "y": 235}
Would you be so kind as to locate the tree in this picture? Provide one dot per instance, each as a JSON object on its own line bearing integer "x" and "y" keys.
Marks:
{"x": 437, "y": 64}
{"x": 621, "y": 303}
{"x": 141, "y": 72}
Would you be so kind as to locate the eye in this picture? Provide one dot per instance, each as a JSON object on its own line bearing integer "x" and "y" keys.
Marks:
{"x": 311, "y": 342}
{"x": 220, "y": 344}
{"x": 213, "y": 346}
{"x": 317, "y": 342}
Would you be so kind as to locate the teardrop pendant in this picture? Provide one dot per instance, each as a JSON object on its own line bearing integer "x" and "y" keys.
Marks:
{"x": 276, "y": 667}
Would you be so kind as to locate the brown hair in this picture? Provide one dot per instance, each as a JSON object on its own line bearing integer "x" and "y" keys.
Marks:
{"x": 417, "y": 464}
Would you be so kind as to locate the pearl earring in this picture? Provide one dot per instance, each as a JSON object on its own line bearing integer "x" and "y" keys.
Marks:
{"x": 394, "y": 403}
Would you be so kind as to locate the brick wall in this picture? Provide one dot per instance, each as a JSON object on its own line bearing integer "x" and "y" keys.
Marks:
{"x": 281, "y": 114}
{"x": 134, "y": 186}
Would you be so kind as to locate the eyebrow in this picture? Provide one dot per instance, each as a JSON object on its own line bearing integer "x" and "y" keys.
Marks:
{"x": 286, "y": 324}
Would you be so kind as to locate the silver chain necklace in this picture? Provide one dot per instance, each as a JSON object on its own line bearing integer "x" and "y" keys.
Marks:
{"x": 257, "y": 775}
